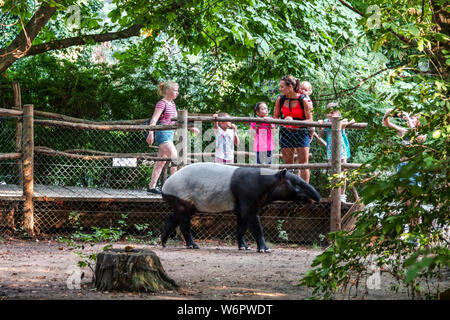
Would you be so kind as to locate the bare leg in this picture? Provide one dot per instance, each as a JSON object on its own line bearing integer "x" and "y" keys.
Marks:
{"x": 288, "y": 155}
{"x": 303, "y": 158}
{"x": 172, "y": 153}
{"x": 166, "y": 150}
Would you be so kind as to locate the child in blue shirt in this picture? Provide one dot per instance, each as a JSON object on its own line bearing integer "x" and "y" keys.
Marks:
{"x": 345, "y": 152}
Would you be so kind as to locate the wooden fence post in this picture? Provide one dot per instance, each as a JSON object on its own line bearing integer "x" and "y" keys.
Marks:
{"x": 18, "y": 148}
{"x": 182, "y": 145}
{"x": 28, "y": 168}
{"x": 336, "y": 147}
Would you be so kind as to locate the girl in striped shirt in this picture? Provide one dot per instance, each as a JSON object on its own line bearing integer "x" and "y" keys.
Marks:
{"x": 165, "y": 109}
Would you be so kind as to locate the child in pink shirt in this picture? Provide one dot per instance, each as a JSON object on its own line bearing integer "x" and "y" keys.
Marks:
{"x": 262, "y": 134}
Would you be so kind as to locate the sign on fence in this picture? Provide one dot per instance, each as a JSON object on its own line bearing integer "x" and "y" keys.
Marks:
{"x": 125, "y": 162}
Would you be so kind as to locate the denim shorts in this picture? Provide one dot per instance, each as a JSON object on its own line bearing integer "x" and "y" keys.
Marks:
{"x": 164, "y": 136}
{"x": 294, "y": 138}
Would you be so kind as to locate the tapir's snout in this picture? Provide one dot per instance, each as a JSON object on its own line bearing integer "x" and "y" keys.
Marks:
{"x": 312, "y": 194}
{"x": 315, "y": 197}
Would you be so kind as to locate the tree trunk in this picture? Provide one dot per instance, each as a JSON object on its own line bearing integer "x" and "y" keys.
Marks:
{"x": 131, "y": 270}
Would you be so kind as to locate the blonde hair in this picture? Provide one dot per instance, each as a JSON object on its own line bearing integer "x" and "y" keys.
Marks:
{"x": 307, "y": 85}
{"x": 164, "y": 86}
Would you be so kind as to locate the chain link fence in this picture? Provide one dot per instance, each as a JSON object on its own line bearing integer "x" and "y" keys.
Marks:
{"x": 91, "y": 179}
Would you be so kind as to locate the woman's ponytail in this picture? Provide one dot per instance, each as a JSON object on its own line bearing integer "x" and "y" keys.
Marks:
{"x": 161, "y": 88}
{"x": 297, "y": 86}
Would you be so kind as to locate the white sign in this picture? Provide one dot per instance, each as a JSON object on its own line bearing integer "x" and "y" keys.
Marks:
{"x": 125, "y": 162}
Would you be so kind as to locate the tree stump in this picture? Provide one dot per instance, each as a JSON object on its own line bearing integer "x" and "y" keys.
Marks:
{"x": 131, "y": 270}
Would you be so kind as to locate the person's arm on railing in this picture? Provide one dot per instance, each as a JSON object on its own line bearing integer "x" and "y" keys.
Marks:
{"x": 400, "y": 130}
{"x": 153, "y": 121}
{"x": 236, "y": 137}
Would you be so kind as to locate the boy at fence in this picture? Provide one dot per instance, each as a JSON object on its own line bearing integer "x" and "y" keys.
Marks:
{"x": 345, "y": 151}
{"x": 226, "y": 138}
{"x": 262, "y": 133}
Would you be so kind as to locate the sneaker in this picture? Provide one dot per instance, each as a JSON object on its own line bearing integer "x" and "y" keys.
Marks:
{"x": 154, "y": 190}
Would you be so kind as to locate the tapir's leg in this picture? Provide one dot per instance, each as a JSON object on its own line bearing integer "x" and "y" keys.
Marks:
{"x": 257, "y": 231}
{"x": 171, "y": 223}
{"x": 242, "y": 226}
{"x": 251, "y": 214}
{"x": 185, "y": 226}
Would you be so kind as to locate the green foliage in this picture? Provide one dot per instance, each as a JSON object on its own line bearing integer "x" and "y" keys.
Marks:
{"x": 403, "y": 231}
{"x": 282, "y": 234}
{"x": 78, "y": 240}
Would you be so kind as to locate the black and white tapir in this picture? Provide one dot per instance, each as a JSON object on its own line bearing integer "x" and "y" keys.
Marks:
{"x": 211, "y": 187}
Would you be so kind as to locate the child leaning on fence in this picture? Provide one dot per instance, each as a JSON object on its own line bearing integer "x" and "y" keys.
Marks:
{"x": 263, "y": 143}
{"x": 345, "y": 151}
{"x": 226, "y": 138}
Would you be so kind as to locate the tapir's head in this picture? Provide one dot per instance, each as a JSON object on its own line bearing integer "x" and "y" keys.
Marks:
{"x": 291, "y": 187}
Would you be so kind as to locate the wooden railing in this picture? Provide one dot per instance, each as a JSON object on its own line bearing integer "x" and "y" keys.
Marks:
{"x": 25, "y": 149}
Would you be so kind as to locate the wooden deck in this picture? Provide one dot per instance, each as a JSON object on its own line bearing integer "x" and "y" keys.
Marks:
{"x": 48, "y": 193}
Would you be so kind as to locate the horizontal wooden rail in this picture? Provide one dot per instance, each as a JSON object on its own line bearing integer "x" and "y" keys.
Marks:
{"x": 103, "y": 127}
{"x": 50, "y": 152}
{"x": 313, "y": 166}
{"x": 102, "y": 153}
{"x": 273, "y": 121}
{"x": 56, "y": 116}
{"x": 10, "y": 113}
{"x": 7, "y": 156}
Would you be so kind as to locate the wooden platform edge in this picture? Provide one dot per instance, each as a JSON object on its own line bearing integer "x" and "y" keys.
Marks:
{"x": 52, "y": 199}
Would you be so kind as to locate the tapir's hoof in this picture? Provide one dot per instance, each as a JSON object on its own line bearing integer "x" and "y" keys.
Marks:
{"x": 163, "y": 244}
{"x": 267, "y": 250}
{"x": 193, "y": 246}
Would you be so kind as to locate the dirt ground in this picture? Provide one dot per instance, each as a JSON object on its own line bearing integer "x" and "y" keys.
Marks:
{"x": 39, "y": 270}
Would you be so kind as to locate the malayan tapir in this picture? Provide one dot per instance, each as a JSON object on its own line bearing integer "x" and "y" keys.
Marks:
{"x": 211, "y": 187}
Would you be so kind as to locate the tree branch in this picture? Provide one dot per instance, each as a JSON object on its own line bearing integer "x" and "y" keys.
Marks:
{"x": 19, "y": 46}
{"x": 84, "y": 39}
{"x": 351, "y": 8}
{"x": 351, "y": 91}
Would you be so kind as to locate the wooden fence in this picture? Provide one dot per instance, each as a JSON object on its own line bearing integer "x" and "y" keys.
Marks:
{"x": 25, "y": 150}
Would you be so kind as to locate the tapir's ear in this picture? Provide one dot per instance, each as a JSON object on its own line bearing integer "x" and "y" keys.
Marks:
{"x": 283, "y": 174}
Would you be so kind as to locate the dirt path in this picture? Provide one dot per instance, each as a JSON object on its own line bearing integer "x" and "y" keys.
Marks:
{"x": 39, "y": 270}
